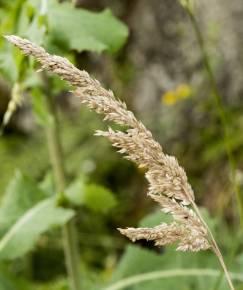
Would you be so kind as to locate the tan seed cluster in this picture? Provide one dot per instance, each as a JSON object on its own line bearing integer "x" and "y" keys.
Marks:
{"x": 168, "y": 184}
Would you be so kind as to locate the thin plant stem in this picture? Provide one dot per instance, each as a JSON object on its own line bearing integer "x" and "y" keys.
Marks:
{"x": 230, "y": 260}
{"x": 57, "y": 161}
{"x": 215, "y": 246}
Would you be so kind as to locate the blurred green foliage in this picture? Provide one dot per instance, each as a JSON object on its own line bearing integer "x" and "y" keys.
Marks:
{"x": 30, "y": 208}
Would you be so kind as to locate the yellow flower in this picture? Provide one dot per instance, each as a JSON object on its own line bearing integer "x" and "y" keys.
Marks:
{"x": 169, "y": 98}
{"x": 183, "y": 91}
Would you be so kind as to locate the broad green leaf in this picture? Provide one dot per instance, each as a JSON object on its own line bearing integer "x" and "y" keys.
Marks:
{"x": 84, "y": 30}
{"x": 23, "y": 235}
{"x": 99, "y": 198}
{"x": 95, "y": 197}
{"x": 21, "y": 194}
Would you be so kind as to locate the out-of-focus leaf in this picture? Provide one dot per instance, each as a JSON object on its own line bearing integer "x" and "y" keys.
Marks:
{"x": 21, "y": 194}
{"x": 155, "y": 219}
{"x": 39, "y": 108}
{"x": 95, "y": 197}
{"x": 75, "y": 192}
{"x": 84, "y": 30}
{"x": 31, "y": 24}
{"x": 47, "y": 183}
{"x": 5, "y": 284}
{"x": 60, "y": 284}
{"x": 7, "y": 64}
{"x": 99, "y": 198}
{"x": 26, "y": 13}
{"x": 36, "y": 31}
{"x": 23, "y": 235}
{"x": 9, "y": 282}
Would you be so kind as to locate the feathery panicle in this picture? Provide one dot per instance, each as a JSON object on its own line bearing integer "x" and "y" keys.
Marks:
{"x": 168, "y": 184}
{"x": 162, "y": 235}
{"x": 52, "y": 63}
{"x": 165, "y": 234}
{"x": 197, "y": 233}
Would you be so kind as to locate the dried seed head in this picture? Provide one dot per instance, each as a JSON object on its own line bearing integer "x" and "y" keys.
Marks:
{"x": 168, "y": 184}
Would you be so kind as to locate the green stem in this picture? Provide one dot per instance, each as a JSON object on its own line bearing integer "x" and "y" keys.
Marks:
{"x": 57, "y": 161}
{"x": 214, "y": 245}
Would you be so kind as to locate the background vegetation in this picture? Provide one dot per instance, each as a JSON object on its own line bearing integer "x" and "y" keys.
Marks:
{"x": 178, "y": 65}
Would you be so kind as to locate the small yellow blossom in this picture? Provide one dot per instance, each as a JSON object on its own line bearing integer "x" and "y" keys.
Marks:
{"x": 169, "y": 98}
{"x": 183, "y": 91}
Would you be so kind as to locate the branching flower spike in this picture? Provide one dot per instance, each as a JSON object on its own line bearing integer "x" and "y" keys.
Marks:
{"x": 168, "y": 183}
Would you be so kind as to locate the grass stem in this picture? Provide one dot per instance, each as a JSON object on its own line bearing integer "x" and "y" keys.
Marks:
{"x": 57, "y": 161}
{"x": 215, "y": 247}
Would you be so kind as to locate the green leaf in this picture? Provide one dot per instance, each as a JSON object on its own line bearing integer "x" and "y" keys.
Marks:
{"x": 23, "y": 235}
{"x": 36, "y": 31}
{"x": 21, "y": 194}
{"x": 10, "y": 282}
{"x": 95, "y": 197}
{"x": 84, "y": 30}
{"x": 39, "y": 107}
{"x": 99, "y": 198}
{"x": 31, "y": 24}
{"x": 154, "y": 219}
{"x": 75, "y": 192}
{"x": 47, "y": 183}
{"x": 60, "y": 284}
{"x": 8, "y": 66}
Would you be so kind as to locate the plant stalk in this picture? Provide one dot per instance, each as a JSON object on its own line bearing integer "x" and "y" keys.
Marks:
{"x": 214, "y": 245}
{"x": 57, "y": 161}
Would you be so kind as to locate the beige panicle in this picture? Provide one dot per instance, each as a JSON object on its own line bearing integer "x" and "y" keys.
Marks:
{"x": 167, "y": 180}
{"x": 168, "y": 184}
